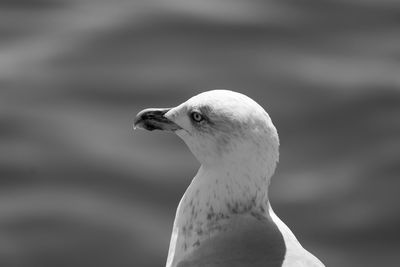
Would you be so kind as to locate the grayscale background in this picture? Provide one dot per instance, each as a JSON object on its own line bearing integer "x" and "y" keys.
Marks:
{"x": 79, "y": 188}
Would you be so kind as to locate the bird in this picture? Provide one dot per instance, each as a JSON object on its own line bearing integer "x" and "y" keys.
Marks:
{"x": 225, "y": 217}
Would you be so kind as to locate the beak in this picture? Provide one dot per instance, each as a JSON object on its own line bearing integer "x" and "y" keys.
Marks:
{"x": 153, "y": 119}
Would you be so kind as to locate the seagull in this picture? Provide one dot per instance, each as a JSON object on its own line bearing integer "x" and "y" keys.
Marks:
{"x": 225, "y": 217}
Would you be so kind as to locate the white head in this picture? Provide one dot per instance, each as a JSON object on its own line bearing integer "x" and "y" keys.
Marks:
{"x": 237, "y": 145}
{"x": 221, "y": 128}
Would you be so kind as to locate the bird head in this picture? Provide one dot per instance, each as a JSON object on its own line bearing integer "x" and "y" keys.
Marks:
{"x": 219, "y": 127}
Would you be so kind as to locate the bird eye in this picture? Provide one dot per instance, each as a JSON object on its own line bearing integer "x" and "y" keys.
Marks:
{"x": 196, "y": 116}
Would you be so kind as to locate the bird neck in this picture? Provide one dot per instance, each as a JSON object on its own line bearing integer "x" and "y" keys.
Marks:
{"x": 213, "y": 197}
{"x": 228, "y": 188}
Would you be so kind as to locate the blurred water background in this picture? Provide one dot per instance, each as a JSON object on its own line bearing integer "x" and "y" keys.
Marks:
{"x": 79, "y": 188}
